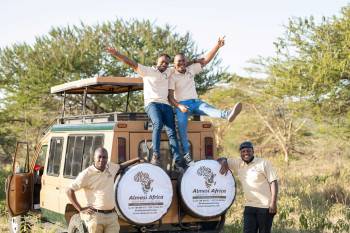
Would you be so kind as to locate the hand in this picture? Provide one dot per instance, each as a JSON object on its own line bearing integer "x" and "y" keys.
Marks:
{"x": 183, "y": 108}
{"x": 273, "y": 208}
{"x": 111, "y": 50}
{"x": 88, "y": 210}
{"x": 224, "y": 166}
{"x": 221, "y": 41}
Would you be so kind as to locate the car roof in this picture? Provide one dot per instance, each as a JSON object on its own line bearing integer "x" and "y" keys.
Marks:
{"x": 100, "y": 85}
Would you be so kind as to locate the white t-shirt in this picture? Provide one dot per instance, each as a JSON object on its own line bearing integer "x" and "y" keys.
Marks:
{"x": 183, "y": 84}
{"x": 155, "y": 84}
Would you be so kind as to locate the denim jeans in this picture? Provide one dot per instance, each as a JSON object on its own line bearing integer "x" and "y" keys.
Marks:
{"x": 195, "y": 107}
{"x": 163, "y": 115}
{"x": 257, "y": 220}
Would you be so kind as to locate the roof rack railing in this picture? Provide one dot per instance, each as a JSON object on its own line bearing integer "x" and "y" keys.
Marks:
{"x": 103, "y": 117}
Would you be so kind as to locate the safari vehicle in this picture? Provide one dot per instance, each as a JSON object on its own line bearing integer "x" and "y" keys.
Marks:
{"x": 38, "y": 183}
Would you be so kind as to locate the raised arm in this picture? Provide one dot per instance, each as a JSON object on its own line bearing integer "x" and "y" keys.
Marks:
{"x": 174, "y": 102}
{"x": 211, "y": 54}
{"x": 122, "y": 58}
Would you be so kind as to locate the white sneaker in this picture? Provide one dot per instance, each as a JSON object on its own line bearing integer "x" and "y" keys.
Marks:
{"x": 234, "y": 112}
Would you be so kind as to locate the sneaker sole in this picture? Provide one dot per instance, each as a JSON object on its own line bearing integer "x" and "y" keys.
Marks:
{"x": 236, "y": 110}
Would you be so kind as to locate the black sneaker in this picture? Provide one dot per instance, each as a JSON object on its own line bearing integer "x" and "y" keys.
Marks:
{"x": 179, "y": 167}
{"x": 188, "y": 160}
{"x": 155, "y": 160}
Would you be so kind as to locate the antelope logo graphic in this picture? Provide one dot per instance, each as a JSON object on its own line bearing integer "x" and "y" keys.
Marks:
{"x": 208, "y": 176}
{"x": 145, "y": 180}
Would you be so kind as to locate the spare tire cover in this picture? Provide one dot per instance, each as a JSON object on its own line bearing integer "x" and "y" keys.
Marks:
{"x": 143, "y": 193}
{"x": 205, "y": 191}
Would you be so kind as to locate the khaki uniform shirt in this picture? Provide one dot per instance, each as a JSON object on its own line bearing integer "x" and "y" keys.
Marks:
{"x": 97, "y": 186}
{"x": 155, "y": 84}
{"x": 255, "y": 178}
{"x": 183, "y": 84}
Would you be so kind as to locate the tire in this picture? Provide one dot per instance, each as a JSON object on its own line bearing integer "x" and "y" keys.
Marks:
{"x": 20, "y": 224}
{"x": 76, "y": 225}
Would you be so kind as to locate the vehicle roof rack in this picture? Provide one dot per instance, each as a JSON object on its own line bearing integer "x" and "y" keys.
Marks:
{"x": 100, "y": 85}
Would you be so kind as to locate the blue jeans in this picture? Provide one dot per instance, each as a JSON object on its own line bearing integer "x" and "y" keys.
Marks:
{"x": 194, "y": 107}
{"x": 163, "y": 115}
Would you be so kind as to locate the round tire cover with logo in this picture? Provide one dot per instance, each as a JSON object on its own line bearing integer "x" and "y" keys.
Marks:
{"x": 205, "y": 191}
{"x": 143, "y": 193}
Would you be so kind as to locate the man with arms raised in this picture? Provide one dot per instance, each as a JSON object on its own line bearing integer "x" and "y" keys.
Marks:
{"x": 260, "y": 188}
{"x": 183, "y": 95}
{"x": 155, "y": 86}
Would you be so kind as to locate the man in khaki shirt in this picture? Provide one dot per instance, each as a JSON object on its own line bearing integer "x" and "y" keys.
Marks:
{"x": 155, "y": 86}
{"x": 260, "y": 188}
{"x": 97, "y": 181}
{"x": 183, "y": 95}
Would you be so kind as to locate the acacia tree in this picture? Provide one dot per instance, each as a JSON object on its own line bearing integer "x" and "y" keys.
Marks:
{"x": 312, "y": 64}
{"x": 76, "y": 52}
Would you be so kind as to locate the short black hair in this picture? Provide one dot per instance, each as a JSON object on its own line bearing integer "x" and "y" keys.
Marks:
{"x": 165, "y": 55}
{"x": 246, "y": 144}
{"x": 180, "y": 54}
{"x": 102, "y": 150}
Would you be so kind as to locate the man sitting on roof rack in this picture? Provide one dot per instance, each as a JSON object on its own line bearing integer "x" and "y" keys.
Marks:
{"x": 183, "y": 95}
{"x": 155, "y": 82}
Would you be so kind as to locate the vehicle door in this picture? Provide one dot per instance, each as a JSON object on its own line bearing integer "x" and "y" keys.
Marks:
{"x": 52, "y": 177}
{"x": 19, "y": 185}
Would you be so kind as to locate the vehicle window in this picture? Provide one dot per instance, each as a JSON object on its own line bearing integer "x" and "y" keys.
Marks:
{"x": 54, "y": 162}
{"x": 40, "y": 161}
{"x": 69, "y": 156}
{"x": 96, "y": 141}
{"x": 80, "y": 150}
{"x": 21, "y": 164}
{"x": 145, "y": 152}
{"x": 88, "y": 152}
{"x": 42, "y": 155}
{"x": 78, "y": 155}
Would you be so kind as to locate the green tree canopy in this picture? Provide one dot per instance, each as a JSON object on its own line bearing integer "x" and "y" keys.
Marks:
{"x": 27, "y": 71}
{"x": 312, "y": 63}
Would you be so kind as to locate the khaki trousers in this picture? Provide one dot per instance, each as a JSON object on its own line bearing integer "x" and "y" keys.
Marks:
{"x": 101, "y": 223}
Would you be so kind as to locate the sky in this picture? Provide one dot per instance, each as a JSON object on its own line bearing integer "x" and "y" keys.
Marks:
{"x": 250, "y": 26}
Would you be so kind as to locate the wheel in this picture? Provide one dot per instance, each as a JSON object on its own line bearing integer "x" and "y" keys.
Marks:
{"x": 76, "y": 225}
{"x": 20, "y": 224}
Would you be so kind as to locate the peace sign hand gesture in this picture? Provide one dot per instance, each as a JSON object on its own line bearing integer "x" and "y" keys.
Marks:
{"x": 221, "y": 41}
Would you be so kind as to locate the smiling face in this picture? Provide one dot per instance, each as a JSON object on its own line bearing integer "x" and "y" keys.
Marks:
{"x": 100, "y": 159}
{"x": 180, "y": 63}
{"x": 163, "y": 63}
{"x": 247, "y": 154}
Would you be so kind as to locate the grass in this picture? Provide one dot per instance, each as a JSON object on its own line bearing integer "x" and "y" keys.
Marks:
{"x": 314, "y": 197}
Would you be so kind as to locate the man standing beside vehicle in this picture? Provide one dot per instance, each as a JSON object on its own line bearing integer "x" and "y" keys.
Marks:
{"x": 97, "y": 181}
{"x": 183, "y": 95}
{"x": 260, "y": 188}
{"x": 155, "y": 83}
